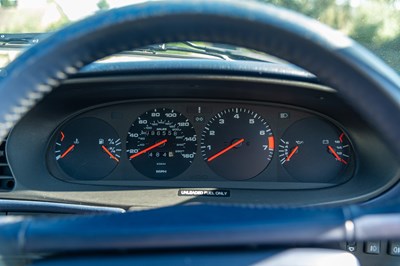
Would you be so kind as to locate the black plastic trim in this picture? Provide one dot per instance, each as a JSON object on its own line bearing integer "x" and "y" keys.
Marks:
{"x": 26, "y": 206}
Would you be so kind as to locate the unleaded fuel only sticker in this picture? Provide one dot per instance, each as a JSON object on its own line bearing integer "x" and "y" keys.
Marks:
{"x": 204, "y": 193}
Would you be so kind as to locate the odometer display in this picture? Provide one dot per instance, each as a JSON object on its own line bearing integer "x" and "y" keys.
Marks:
{"x": 161, "y": 143}
{"x": 237, "y": 144}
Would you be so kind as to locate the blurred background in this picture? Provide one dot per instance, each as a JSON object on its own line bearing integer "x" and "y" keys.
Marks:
{"x": 373, "y": 23}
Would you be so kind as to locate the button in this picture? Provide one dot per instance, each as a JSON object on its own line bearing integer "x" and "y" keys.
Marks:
{"x": 394, "y": 248}
{"x": 372, "y": 247}
{"x": 351, "y": 246}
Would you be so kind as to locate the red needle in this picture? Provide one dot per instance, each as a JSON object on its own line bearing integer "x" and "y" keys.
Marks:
{"x": 341, "y": 137}
{"x": 109, "y": 153}
{"x": 148, "y": 149}
{"x": 230, "y": 147}
{"x": 67, "y": 151}
{"x": 292, "y": 153}
{"x": 336, "y": 155}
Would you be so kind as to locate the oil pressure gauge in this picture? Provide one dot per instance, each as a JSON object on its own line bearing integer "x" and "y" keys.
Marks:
{"x": 314, "y": 150}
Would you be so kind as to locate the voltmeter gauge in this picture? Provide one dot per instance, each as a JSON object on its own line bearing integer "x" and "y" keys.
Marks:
{"x": 314, "y": 150}
{"x": 161, "y": 143}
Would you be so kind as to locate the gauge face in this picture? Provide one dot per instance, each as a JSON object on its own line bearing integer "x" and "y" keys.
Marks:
{"x": 87, "y": 148}
{"x": 161, "y": 143}
{"x": 313, "y": 150}
{"x": 237, "y": 144}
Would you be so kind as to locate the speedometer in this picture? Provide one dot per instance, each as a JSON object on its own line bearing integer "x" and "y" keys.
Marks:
{"x": 161, "y": 143}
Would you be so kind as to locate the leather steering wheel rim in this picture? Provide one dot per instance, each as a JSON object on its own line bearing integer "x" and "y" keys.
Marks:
{"x": 360, "y": 77}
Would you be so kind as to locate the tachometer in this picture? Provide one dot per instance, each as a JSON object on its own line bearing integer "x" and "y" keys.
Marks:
{"x": 237, "y": 144}
{"x": 161, "y": 143}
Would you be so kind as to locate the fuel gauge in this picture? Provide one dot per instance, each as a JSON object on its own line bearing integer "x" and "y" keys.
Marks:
{"x": 314, "y": 150}
{"x": 87, "y": 148}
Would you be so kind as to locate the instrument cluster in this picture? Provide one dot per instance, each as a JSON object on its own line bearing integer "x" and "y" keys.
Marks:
{"x": 201, "y": 141}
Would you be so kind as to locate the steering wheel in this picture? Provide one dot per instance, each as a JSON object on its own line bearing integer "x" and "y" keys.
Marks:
{"x": 359, "y": 77}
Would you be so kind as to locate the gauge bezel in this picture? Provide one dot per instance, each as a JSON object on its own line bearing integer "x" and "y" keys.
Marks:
{"x": 127, "y": 176}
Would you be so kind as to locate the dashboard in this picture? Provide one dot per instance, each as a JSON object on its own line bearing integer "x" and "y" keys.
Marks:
{"x": 193, "y": 132}
{"x": 264, "y": 143}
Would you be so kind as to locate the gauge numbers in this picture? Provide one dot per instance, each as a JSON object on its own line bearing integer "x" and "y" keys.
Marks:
{"x": 161, "y": 143}
{"x": 313, "y": 150}
{"x": 237, "y": 144}
{"x": 87, "y": 148}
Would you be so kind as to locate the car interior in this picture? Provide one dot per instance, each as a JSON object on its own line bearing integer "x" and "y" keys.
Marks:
{"x": 287, "y": 154}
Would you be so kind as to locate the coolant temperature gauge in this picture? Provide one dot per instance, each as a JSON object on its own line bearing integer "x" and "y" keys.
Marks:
{"x": 87, "y": 148}
{"x": 314, "y": 150}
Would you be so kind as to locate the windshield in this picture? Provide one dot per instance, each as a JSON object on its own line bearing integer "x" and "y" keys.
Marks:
{"x": 373, "y": 23}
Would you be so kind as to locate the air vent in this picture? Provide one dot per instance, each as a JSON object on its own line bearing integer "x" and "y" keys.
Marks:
{"x": 6, "y": 180}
